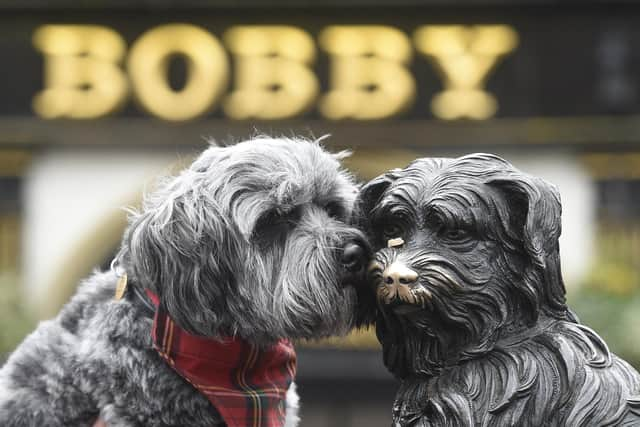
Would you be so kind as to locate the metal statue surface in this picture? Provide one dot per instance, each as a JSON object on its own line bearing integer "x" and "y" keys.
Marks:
{"x": 471, "y": 308}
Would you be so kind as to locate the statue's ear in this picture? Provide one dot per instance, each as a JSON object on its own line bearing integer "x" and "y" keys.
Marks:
{"x": 536, "y": 204}
{"x": 534, "y": 207}
{"x": 371, "y": 192}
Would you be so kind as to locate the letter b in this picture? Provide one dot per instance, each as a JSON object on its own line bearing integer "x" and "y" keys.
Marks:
{"x": 81, "y": 73}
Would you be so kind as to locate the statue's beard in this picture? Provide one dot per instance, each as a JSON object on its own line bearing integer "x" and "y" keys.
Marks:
{"x": 455, "y": 318}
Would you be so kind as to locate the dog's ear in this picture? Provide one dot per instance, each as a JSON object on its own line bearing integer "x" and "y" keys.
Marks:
{"x": 179, "y": 247}
{"x": 534, "y": 206}
{"x": 371, "y": 192}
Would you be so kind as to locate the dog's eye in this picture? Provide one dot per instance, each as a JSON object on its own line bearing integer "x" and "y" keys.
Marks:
{"x": 335, "y": 210}
{"x": 272, "y": 228}
{"x": 274, "y": 221}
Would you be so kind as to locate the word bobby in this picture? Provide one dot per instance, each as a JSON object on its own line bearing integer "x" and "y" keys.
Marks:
{"x": 88, "y": 72}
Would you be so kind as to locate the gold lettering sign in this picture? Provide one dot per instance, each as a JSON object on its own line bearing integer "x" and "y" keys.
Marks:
{"x": 465, "y": 55}
{"x": 273, "y": 78}
{"x": 369, "y": 79}
{"x": 272, "y": 75}
{"x": 82, "y": 79}
{"x": 206, "y": 77}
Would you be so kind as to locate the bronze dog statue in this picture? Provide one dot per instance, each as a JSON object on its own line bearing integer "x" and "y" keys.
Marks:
{"x": 471, "y": 308}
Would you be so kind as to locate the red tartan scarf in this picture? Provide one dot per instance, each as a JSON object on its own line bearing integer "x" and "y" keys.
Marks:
{"x": 246, "y": 385}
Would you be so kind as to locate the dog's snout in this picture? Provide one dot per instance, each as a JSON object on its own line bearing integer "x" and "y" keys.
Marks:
{"x": 399, "y": 274}
{"x": 354, "y": 257}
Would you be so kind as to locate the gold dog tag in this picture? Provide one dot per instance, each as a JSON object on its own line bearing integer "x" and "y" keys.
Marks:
{"x": 121, "y": 286}
{"x": 394, "y": 243}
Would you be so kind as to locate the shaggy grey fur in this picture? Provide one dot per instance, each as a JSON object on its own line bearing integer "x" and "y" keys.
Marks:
{"x": 473, "y": 320}
{"x": 246, "y": 242}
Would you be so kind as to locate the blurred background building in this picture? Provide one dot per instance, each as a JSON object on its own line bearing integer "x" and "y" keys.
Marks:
{"x": 99, "y": 98}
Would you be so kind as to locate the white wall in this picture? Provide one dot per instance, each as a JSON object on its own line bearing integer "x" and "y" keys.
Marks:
{"x": 67, "y": 193}
{"x": 578, "y": 208}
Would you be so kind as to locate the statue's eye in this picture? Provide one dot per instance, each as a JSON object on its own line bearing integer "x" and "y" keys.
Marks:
{"x": 391, "y": 231}
{"x": 455, "y": 234}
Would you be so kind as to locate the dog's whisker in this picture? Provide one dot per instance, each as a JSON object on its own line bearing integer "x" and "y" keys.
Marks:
{"x": 333, "y": 248}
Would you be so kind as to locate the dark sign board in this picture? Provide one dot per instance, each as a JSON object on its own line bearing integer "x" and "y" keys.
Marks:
{"x": 405, "y": 63}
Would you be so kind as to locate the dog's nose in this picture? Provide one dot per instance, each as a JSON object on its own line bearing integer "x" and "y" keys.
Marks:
{"x": 399, "y": 274}
{"x": 354, "y": 257}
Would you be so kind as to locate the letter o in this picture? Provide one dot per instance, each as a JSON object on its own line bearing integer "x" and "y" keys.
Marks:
{"x": 207, "y": 71}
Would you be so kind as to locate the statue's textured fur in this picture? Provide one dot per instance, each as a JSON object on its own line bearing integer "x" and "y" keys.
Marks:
{"x": 483, "y": 336}
{"x": 246, "y": 242}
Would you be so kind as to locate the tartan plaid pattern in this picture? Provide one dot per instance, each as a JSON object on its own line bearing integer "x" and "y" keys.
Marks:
{"x": 246, "y": 384}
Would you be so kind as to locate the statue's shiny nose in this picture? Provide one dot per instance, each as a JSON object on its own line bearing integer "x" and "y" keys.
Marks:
{"x": 398, "y": 273}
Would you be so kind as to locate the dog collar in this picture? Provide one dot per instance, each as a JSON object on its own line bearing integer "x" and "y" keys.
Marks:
{"x": 136, "y": 295}
{"x": 247, "y": 385}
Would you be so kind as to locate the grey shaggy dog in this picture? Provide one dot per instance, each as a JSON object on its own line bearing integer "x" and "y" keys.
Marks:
{"x": 249, "y": 242}
{"x": 471, "y": 309}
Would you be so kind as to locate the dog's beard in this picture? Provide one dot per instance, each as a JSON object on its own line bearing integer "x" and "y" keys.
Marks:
{"x": 453, "y": 313}
{"x": 310, "y": 296}
{"x": 297, "y": 289}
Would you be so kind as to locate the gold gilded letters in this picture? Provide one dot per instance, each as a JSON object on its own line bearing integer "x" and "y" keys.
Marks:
{"x": 272, "y": 75}
{"x": 82, "y": 77}
{"x": 207, "y": 71}
{"x": 465, "y": 56}
{"x": 368, "y": 78}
